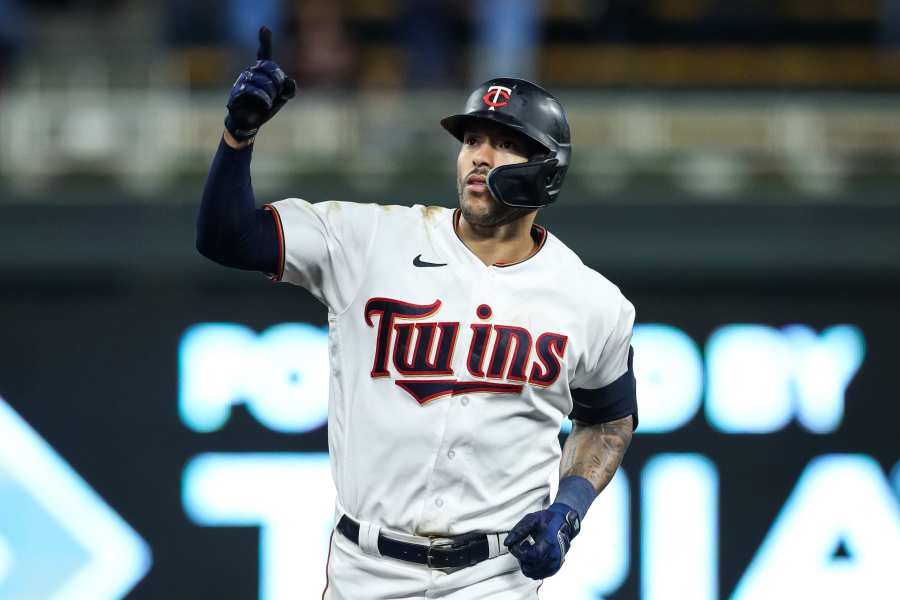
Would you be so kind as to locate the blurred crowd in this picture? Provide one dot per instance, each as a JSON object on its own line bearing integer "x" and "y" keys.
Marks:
{"x": 72, "y": 73}
{"x": 424, "y": 43}
{"x": 326, "y": 38}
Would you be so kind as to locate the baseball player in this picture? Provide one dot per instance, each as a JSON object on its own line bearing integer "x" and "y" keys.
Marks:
{"x": 459, "y": 341}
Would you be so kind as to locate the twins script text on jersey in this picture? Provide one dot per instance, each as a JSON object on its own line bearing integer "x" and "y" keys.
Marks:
{"x": 435, "y": 343}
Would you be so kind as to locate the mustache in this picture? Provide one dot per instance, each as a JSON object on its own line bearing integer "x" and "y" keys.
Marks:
{"x": 479, "y": 172}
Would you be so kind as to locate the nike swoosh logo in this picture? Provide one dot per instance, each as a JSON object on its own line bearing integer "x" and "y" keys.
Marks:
{"x": 418, "y": 262}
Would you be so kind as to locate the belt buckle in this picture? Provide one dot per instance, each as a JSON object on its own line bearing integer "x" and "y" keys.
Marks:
{"x": 428, "y": 557}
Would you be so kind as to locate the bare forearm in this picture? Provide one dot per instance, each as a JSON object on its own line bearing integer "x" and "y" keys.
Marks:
{"x": 596, "y": 451}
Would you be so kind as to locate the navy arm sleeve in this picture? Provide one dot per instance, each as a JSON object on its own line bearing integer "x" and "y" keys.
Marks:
{"x": 231, "y": 230}
{"x": 614, "y": 401}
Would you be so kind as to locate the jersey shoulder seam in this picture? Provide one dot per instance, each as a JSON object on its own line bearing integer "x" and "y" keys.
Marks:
{"x": 568, "y": 256}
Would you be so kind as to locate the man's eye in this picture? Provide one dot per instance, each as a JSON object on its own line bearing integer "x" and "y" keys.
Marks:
{"x": 505, "y": 144}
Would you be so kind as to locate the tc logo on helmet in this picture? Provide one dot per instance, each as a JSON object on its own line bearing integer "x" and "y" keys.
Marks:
{"x": 497, "y": 97}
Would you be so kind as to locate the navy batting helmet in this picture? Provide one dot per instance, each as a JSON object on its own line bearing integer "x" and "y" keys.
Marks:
{"x": 532, "y": 111}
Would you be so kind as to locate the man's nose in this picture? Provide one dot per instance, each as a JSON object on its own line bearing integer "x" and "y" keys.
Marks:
{"x": 483, "y": 155}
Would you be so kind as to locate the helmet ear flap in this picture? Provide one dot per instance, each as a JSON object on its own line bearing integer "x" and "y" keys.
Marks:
{"x": 555, "y": 182}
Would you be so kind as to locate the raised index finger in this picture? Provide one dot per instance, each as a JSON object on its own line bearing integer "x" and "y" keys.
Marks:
{"x": 265, "y": 44}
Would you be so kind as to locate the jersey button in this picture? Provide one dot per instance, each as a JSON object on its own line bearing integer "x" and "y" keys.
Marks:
{"x": 438, "y": 502}
{"x": 464, "y": 401}
{"x": 451, "y": 454}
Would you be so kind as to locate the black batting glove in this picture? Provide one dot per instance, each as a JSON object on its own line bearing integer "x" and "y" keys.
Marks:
{"x": 541, "y": 539}
{"x": 259, "y": 92}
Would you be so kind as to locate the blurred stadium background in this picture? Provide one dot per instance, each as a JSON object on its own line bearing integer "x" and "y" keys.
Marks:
{"x": 736, "y": 167}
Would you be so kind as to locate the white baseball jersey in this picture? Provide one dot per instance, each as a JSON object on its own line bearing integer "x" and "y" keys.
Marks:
{"x": 449, "y": 378}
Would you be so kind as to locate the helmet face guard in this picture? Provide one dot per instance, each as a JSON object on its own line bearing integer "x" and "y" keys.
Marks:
{"x": 528, "y": 110}
{"x": 526, "y": 185}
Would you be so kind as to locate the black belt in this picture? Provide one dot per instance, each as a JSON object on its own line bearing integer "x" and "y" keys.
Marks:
{"x": 460, "y": 551}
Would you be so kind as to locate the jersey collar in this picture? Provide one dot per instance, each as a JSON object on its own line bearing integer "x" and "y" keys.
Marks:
{"x": 538, "y": 234}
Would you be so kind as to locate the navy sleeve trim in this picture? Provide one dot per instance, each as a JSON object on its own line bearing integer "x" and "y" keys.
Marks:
{"x": 614, "y": 401}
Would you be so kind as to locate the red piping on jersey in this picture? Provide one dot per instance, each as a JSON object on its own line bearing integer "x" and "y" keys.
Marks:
{"x": 328, "y": 561}
{"x": 538, "y": 234}
{"x": 280, "y": 230}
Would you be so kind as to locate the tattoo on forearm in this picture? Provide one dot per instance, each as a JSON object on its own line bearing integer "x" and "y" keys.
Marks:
{"x": 596, "y": 451}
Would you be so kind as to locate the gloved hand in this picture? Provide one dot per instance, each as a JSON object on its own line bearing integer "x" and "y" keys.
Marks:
{"x": 259, "y": 92}
{"x": 541, "y": 539}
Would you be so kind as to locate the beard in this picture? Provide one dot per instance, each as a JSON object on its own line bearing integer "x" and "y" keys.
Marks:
{"x": 491, "y": 213}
